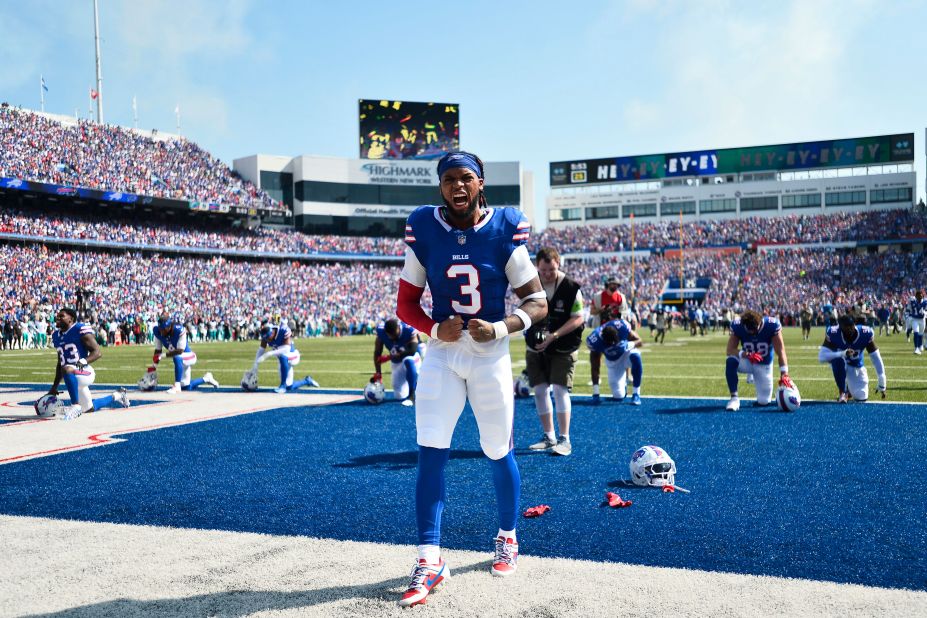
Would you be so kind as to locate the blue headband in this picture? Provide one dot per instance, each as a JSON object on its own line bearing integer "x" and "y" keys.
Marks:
{"x": 459, "y": 159}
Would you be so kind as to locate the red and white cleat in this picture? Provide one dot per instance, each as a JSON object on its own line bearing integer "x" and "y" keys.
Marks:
{"x": 423, "y": 579}
{"x": 506, "y": 559}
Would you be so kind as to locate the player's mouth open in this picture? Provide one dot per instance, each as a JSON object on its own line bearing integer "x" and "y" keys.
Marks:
{"x": 461, "y": 199}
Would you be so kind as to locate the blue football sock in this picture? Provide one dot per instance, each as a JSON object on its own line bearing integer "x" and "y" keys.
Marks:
{"x": 70, "y": 382}
{"x": 637, "y": 370}
{"x": 918, "y": 340}
{"x": 178, "y": 368}
{"x": 411, "y": 374}
{"x": 103, "y": 402}
{"x": 284, "y": 370}
{"x": 839, "y": 368}
{"x": 430, "y": 493}
{"x": 730, "y": 372}
{"x": 298, "y": 385}
{"x": 506, "y": 478}
{"x": 194, "y": 384}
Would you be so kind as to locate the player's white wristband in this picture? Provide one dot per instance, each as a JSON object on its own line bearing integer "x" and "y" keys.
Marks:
{"x": 434, "y": 331}
{"x": 500, "y": 330}
{"x": 783, "y": 368}
{"x": 524, "y": 317}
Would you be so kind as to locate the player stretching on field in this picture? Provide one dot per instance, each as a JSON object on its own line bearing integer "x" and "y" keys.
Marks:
{"x": 277, "y": 342}
{"x": 468, "y": 254}
{"x": 759, "y": 336}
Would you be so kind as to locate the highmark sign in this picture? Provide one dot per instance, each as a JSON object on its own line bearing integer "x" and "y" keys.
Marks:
{"x": 781, "y": 157}
{"x": 399, "y": 173}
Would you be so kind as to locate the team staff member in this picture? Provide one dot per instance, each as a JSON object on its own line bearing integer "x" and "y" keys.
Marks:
{"x": 552, "y": 351}
{"x": 468, "y": 254}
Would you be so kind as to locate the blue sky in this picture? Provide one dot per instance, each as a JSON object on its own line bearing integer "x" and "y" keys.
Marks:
{"x": 536, "y": 81}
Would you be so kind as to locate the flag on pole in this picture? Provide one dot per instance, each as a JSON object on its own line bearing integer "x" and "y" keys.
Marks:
{"x": 134, "y": 104}
{"x": 44, "y": 85}
{"x": 94, "y": 94}
{"x": 177, "y": 109}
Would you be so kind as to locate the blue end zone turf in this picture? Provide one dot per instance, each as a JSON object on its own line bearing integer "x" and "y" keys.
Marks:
{"x": 829, "y": 493}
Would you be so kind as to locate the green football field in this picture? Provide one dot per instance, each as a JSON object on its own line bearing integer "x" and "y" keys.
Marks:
{"x": 683, "y": 365}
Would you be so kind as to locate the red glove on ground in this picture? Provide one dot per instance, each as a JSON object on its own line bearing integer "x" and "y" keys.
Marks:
{"x": 786, "y": 381}
{"x": 615, "y": 501}
{"x": 754, "y": 357}
{"x": 377, "y": 377}
{"x": 536, "y": 511}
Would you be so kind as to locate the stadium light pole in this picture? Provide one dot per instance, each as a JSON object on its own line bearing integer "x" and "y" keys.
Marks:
{"x": 96, "y": 40}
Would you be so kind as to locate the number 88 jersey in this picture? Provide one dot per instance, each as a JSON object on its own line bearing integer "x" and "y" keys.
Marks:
{"x": 468, "y": 271}
{"x": 69, "y": 345}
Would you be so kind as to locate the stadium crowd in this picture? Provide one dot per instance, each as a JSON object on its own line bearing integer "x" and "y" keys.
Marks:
{"x": 833, "y": 227}
{"x": 226, "y": 299}
{"x": 789, "y": 229}
{"x": 111, "y": 158}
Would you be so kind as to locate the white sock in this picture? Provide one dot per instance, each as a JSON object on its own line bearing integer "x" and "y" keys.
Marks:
{"x": 637, "y": 390}
{"x": 595, "y": 389}
{"x": 508, "y": 534}
{"x": 431, "y": 553}
{"x": 551, "y": 436}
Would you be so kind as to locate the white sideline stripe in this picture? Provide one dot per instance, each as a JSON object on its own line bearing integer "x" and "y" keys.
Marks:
{"x": 140, "y": 571}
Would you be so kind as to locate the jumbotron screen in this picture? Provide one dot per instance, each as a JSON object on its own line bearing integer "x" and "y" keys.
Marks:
{"x": 405, "y": 130}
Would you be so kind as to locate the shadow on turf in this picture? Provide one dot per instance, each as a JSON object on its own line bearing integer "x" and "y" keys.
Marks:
{"x": 399, "y": 461}
{"x": 248, "y": 602}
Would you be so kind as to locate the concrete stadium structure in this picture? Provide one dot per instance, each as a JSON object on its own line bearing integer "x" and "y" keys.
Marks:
{"x": 369, "y": 197}
{"x": 801, "y": 178}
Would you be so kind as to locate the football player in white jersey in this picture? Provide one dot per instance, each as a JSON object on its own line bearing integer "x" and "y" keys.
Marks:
{"x": 468, "y": 254}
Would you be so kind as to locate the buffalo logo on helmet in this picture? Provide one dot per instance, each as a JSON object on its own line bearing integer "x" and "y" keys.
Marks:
{"x": 374, "y": 392}
{"x": 651, "y": 465}
{"x": 788, "y": 398}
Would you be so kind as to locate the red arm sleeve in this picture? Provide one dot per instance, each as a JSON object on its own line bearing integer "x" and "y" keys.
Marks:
{"x": 409, "y": 308}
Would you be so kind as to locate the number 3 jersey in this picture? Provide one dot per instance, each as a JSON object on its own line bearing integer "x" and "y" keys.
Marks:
{"x": 69, "y": 345}
{"x": 468, "y": 271}
{"x": 761, "y": 341}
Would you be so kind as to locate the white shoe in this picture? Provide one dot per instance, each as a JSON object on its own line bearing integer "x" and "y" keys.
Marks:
{"x": 174, "y": 390}
{"x": 208, "y": 379}
{"x": 733, "y": 405}
{"x": 917, "y": 351}
{"x": 505, "y": 561}
{"x": 407, "y": 403}
{"x": 280, "y": 389}
{"x": 71, "y": 412}
{"x": 122, "y": 398}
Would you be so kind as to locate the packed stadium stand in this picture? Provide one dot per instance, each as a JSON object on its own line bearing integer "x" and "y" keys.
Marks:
{"x": 109, "y": 158}
{"x": 120, "y": 266}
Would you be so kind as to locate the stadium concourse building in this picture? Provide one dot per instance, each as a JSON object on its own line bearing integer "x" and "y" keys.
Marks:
{"x": 368, "y": 197}
{"x": 802, "y": 178}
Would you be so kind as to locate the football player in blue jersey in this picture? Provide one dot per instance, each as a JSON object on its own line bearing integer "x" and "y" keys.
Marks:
{"x": 618, "y": 343}
{"x": 402, "y": 343}
{"x": 77, "y": 350}
{"x": 171, "y": 342}
{"x": 468, "y": 254}
{"x": 757, "y": 337}
{"x": 917, "y": 312}
{"x": 843, "y": 348}
{"x": 277, "y": 342}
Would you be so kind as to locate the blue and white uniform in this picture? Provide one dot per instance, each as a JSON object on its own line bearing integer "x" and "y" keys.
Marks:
{"x": 915, "y": 313}
{"x": 761, "y": 343}
{"x": 278, "y": 341}
{"x": 468, "y": 273}
{"x": 176, "y": 339}
{"x": 72, "y": 351}
{"x": 849, "y": 372}
{"x": 618, "y": 358}
{"x": 404, "y": 372}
